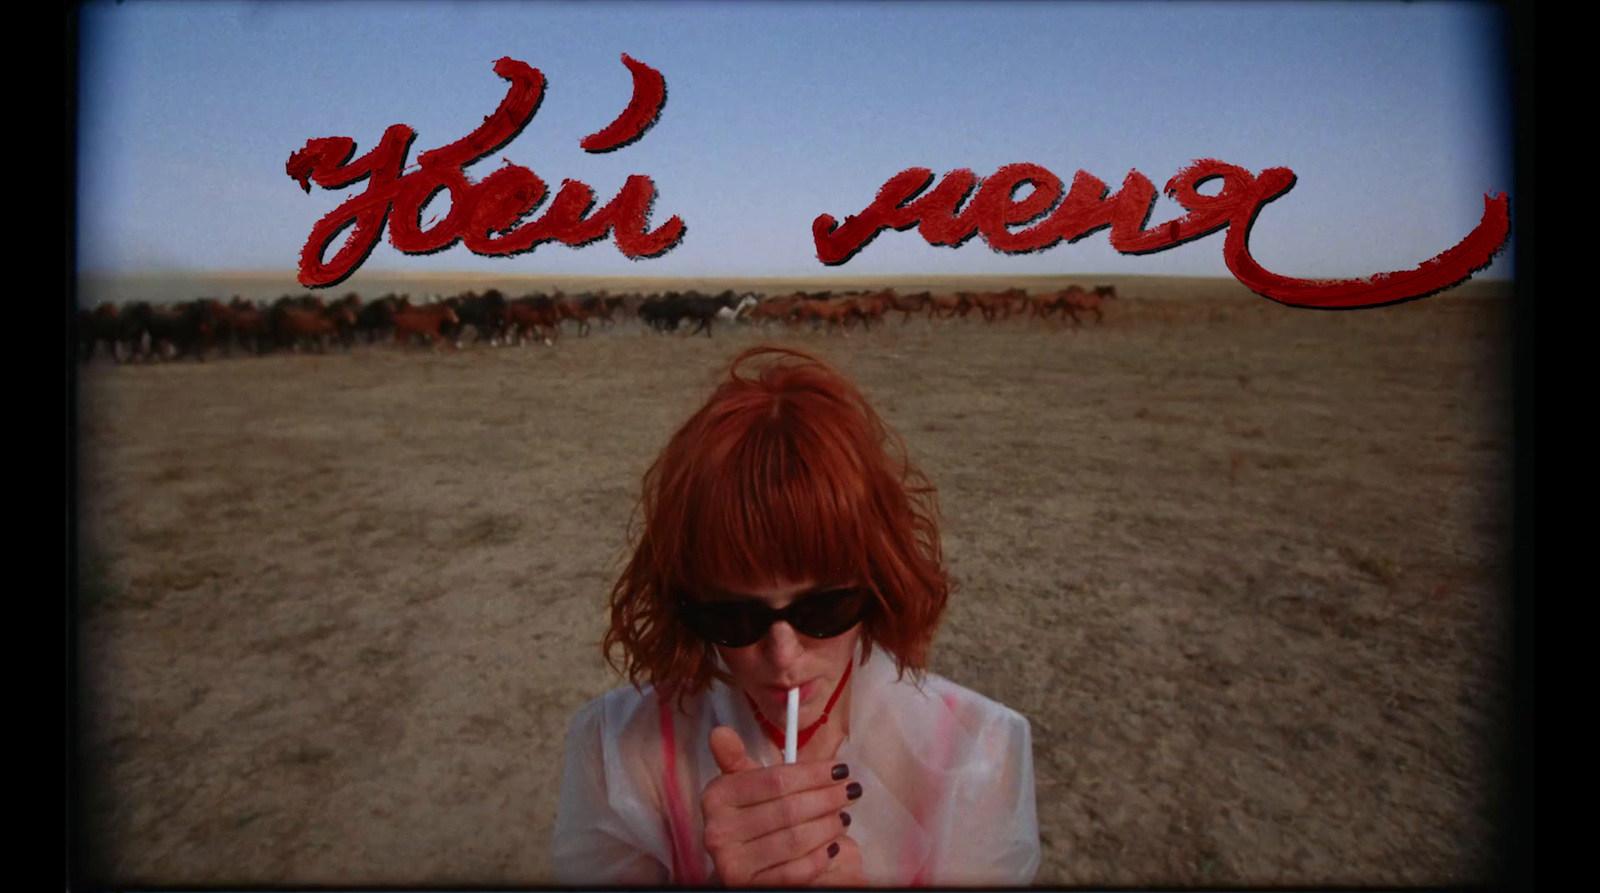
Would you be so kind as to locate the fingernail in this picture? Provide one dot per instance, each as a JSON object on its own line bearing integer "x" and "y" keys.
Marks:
{"x": 845, "y": 817}
{"x": 841, "y": 772}
{"x": 853, "y": 790}
{"x": 833, "y": 850}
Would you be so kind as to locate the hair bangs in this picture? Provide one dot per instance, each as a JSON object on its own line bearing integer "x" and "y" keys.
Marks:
{"x": 783, "y": 499}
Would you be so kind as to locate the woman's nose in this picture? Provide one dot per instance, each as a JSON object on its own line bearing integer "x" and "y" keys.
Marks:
{"x": 782, "y": 645}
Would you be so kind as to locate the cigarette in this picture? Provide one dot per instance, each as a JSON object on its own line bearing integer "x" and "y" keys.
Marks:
{"x": 792, "y": 733}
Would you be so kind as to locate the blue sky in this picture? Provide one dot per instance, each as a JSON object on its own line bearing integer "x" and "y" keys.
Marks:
{"x": 1395, "y": 118}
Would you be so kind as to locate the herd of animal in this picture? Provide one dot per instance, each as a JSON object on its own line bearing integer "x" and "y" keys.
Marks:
{"x": 142, "y": 331}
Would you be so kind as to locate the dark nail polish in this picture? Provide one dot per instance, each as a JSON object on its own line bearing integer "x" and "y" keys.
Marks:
{"x": 845, "y": 817}
{"x": 833, "y": 850}
{"x": 841, "y": 772}
{"x": 853, "y": 790}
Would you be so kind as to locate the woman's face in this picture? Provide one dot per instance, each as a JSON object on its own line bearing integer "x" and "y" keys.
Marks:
{"x": 784, "y": 658}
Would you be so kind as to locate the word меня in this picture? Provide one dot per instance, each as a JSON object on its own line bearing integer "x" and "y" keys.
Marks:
{"x": 1086, "y": 209}
{"x": 481, "y": 214}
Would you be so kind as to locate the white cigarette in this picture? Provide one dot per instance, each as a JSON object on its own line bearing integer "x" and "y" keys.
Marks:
{"x": 791, "y": 735}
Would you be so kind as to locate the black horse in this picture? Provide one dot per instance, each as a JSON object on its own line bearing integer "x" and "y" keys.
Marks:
{"x": 486, "y": 313}
{"x": 666, "y": 315}
{"x": 186, "y": 328}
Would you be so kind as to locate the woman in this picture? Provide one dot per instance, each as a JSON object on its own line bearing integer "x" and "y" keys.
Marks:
{"x": 782, "y": 546}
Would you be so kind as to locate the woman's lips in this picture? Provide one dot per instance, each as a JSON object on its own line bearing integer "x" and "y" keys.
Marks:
{"x": 780, "y": 694}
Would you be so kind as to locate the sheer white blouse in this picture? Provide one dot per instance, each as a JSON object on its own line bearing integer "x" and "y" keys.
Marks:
{"x": 947, "y": 779}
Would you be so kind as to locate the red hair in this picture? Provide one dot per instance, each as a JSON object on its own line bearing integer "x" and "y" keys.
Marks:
{"x": 789, "y": 475}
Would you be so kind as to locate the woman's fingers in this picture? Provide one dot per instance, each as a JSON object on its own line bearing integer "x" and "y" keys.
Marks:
{"x": 802, "y": 870}
{"x": 794, "y": 842}
{"x": 752, "y": 786}
{"x": 844, "y": 869}
{"x": 796, "y": 810}
{"x": 727, "y": 748}
{"x": 728, "y": 828}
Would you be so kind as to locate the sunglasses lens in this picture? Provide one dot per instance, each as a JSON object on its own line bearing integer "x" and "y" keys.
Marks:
{"x": 732, "y": 624}
{"x": 829, "y": 614}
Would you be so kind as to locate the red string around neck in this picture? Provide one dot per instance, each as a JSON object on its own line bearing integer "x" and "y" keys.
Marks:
{"x": 776, "y": 734}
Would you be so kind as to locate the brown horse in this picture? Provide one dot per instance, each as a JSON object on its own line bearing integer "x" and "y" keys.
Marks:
{"x": 910, "y": 304}
{"x": 834, "y": 314}
{"x": 994, "y": 305}
{"x": 1044, "y": 306}
{"x": 948, "y": 306}
{"x": 219, "y": 317}
{"x": 602, "y": 308}
{"x": 1008, "y": 301}
{"x": 536, "y": 315}
{"x": 424, "y": 321}
{"x": 578, "y": 311}
{"x": 770, "y": 310}
{"x": 872, "y": 308}
{"x": 296, "y": 324}
{"x": 1090, "y": 302}
{"x": 1073, "y": 301}
{"x": 250, "y": 326}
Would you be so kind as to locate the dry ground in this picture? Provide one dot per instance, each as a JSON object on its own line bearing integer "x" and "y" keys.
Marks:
{"x": 1240, "y": 565}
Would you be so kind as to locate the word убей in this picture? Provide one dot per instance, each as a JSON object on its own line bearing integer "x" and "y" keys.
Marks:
{"x": 1085, "y": 209}
{"x": 481, "y": 214}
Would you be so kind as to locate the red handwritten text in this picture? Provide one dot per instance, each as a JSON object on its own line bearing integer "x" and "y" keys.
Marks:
{"x": 1086, "y": 208}
{"x": 649, "y": 95}
{"x": 483, "y": 214}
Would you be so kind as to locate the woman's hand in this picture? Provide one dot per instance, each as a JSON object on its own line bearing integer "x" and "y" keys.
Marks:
{"x": 844, "y": 869}
{"x": 775, "y": 826}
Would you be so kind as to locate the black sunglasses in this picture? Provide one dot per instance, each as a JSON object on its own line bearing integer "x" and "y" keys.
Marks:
{"x": 743, "y": 622}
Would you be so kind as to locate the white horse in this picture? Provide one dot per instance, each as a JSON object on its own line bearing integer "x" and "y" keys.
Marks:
{"x": 738, "y": 312}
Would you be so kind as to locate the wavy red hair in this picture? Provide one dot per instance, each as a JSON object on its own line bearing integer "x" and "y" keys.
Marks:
{"x": 786, "y": 474}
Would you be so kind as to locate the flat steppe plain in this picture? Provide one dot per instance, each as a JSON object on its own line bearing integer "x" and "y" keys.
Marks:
{"x": 1242, "y": 567}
